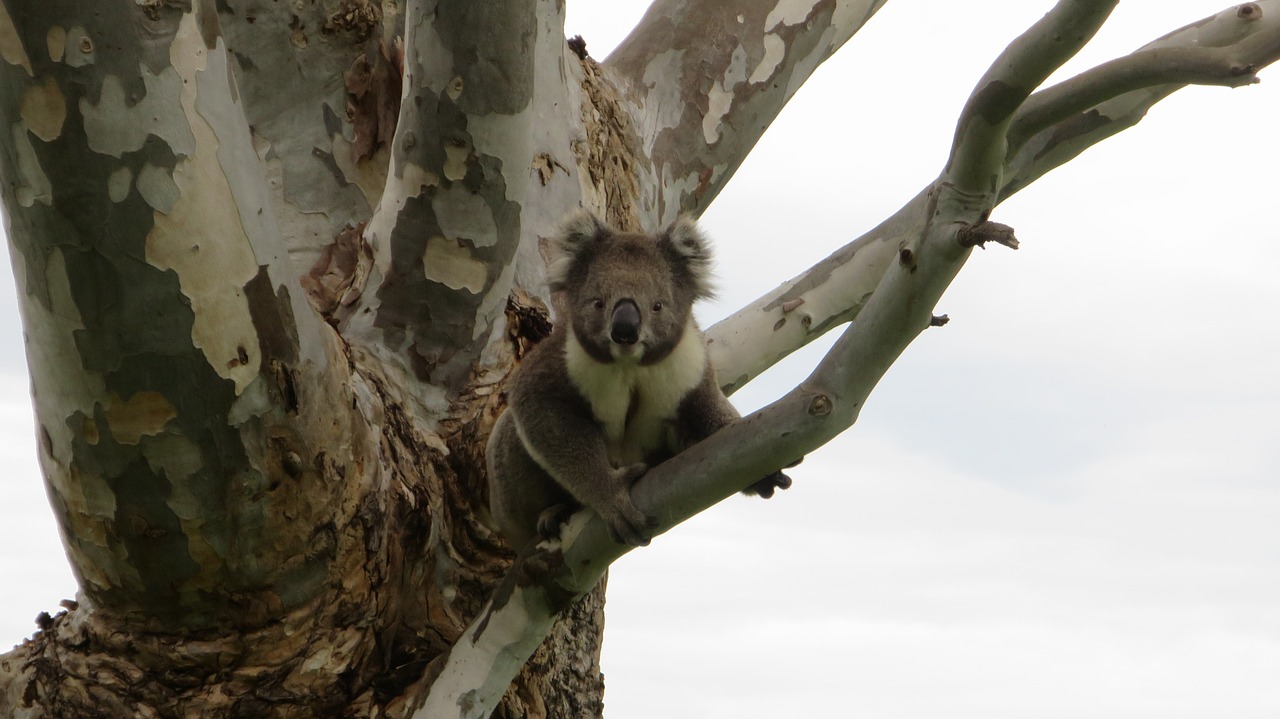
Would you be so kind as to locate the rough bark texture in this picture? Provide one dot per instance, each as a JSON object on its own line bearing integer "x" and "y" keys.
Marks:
{"x": 276, "y": 259}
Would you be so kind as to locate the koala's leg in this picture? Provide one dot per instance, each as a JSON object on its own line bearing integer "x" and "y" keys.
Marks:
{"x": 519, "y": 489}
{"x": 703, "y": 412}
{"x": 569, "y": 445}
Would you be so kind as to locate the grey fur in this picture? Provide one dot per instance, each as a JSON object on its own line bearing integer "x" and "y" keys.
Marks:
{"x": 576, "y": 231}
{"x": 689, "y": 242}
{"x": 621, "y": 384}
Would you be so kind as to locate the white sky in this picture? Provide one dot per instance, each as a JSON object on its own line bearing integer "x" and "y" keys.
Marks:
{"x": 1065, "y": 503}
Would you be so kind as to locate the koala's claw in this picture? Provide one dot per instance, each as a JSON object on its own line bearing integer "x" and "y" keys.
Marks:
{"x": 552, "y": 518}
{"x": 624, "y": 529}
{"x": 766, "y": 487}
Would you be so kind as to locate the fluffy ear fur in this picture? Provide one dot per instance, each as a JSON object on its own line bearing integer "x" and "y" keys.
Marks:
{"x": 577, "y": 232}
{"x": 694, "y": 251}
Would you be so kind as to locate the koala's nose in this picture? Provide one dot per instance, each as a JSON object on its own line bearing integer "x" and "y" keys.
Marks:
{"x": 625, "y": 325}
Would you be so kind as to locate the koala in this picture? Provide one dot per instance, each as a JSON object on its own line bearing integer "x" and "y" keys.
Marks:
{"x": 621, "y": 384}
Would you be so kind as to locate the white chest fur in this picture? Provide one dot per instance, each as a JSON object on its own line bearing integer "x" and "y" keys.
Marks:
{"x": 636, "y": 403}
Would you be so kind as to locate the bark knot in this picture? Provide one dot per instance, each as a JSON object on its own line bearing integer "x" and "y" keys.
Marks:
{"x": 821, "y": 406}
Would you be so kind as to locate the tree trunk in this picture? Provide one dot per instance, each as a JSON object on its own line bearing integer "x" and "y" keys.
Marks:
{"x": 275, "y": 261}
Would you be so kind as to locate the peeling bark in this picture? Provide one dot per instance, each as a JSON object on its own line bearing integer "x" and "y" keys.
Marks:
{"x": 270, "y": 308}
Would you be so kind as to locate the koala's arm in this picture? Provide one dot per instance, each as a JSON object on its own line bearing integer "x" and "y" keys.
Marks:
{"x": 561, "y": 435}
{"x": 703, "y": 412}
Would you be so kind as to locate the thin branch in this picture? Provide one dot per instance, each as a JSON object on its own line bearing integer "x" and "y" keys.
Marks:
{"x": 835, "y": 290}
{"x": 1227, "y": 49}
{"x": 979, "y": 149}
{"x": 1184, "y": 65}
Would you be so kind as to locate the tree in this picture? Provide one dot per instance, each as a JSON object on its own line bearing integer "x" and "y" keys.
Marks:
{"x": 275, "y": 507}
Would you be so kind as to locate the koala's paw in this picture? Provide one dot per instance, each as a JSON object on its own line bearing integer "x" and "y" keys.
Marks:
{"x": 626, "y": 522}
{"x": 628, "y": 475}
{"x": 767, "y": 486}
{"x": 552, "y": 518}
{"x": 630, "y": 526}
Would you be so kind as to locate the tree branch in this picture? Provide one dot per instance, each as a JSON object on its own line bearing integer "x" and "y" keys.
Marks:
{"x": 1144, "y": 69}
{"x": 835, "y": 289}
{"x": 706, "y": 77}
{"x": 978, "y": 152}
{"x": 1060, "y": 122}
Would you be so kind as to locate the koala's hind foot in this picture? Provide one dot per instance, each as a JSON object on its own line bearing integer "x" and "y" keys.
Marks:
{"x": 626, "y": 523}
{"x": 765, "y": 488}
{"x": 626, "y": 527}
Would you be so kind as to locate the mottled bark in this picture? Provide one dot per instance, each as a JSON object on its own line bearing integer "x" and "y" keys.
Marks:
{"x": 169, "y": 335}
{"x": 313, "y": 78}
{"x": 276, "y": 259}
{"x": 212, "y": 500}
{"x": 705, "y": 79}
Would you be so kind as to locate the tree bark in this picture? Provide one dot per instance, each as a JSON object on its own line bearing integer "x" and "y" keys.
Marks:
{"x": 275, "y": 261}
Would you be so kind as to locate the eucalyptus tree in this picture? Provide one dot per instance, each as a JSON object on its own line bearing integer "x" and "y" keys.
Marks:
{"x": 276, "y": 260}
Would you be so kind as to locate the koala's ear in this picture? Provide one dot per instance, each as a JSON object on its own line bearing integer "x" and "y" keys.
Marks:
{"x": 693, "y": 251}
{"x": 577, "y": 232}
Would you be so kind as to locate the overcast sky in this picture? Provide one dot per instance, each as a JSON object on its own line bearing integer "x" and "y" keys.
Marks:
{"x": 1065, "y": 503}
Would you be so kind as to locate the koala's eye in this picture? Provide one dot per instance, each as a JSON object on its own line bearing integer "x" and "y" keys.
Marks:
{"x": 657, "y": 306}
{"x": 598, "y": 304}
